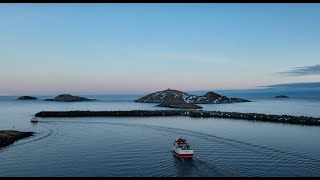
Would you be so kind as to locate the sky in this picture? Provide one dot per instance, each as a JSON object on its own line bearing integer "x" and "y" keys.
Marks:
{"x": 96, "y": 48}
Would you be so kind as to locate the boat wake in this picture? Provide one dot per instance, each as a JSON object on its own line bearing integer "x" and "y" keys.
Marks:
{"x": 230, "y": 157}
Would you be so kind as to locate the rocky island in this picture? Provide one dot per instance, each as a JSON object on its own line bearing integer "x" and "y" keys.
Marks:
{"x": 27, "y": 98}
{"x": 175, "y": 96}
{"x": 8, "y": 137}
{"x": 281, "y": 96}
{"x": 69, "y": 98}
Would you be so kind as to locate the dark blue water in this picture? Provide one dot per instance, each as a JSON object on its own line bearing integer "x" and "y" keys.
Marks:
{"x": 107, "y": 146}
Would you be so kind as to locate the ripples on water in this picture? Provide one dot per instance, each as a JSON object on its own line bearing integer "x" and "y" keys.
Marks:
{"x": 142, "y": 146}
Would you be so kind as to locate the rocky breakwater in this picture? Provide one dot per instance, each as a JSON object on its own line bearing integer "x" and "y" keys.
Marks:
{"x": 27, "y": 98}
{"x": 258, "y": 117}
{"x": 139, "y": 113}
{"x": 8, "y": 137}
{"x": 191, "y": 113}
{"x": 69, "y": 98}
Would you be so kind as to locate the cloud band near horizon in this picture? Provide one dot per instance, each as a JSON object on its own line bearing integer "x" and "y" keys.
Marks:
{"x": 302, "y": 71}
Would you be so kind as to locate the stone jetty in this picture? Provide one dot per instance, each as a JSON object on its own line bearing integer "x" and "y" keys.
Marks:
{"x": 191, "y": 113}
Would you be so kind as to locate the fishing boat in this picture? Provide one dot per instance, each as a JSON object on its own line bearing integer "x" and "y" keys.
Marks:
{"x": 182, "y": 149}
{"x": 34, "y": 120}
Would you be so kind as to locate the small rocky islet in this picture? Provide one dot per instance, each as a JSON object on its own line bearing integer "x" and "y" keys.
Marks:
{"x": 281, "y": 96}
{"x": 8, "y": 137}
{"x": 27, "y": 98}
{"x": 69, "y": 98}
{"x": 179, "y": 105}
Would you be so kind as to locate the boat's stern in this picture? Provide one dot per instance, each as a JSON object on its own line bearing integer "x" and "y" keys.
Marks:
{"x": 183, "y": 153}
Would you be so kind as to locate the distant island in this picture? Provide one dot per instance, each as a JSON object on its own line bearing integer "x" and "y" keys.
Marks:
{"x": 281, "y": 96}
{"x": 178, "y": 97}
{"x": 27, "y": 98}
{"x": 69, "y": 98}
{"x": 8, "y": 137}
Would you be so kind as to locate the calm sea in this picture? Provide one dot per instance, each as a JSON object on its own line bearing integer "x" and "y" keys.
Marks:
{"x": 131, "y": 146}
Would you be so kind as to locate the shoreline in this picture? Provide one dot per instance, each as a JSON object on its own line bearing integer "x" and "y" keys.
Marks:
{"x": 8, "y": 137}
{"x": 304, "y": 120}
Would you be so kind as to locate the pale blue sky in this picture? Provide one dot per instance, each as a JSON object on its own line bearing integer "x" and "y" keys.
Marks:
{"x": 130, "y": 48}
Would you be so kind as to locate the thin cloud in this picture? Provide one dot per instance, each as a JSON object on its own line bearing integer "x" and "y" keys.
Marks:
{"x": 311, "y": 85}
{"x": 302, "y": 71}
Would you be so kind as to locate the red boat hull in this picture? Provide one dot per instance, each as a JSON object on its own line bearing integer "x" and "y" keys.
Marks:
{"x": 183, "y": 155}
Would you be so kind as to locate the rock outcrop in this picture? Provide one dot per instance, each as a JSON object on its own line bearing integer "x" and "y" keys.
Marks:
{"x": 180, "y": 105}
{"x": 69, "y": 98}
{"x": 175, "y": 96}
{"x": 27, "y": 98}
{"x": 8, "y": 137}
{"x": 281, "y": 96}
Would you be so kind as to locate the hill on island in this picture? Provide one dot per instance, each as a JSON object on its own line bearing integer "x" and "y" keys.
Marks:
{"x": 176, "y": 96}
{"x": 27, "y": 98}
{"x": 69, "y": 98}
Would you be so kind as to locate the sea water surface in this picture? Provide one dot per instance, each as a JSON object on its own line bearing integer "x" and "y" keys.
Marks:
{"x": 142, "y": 146}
